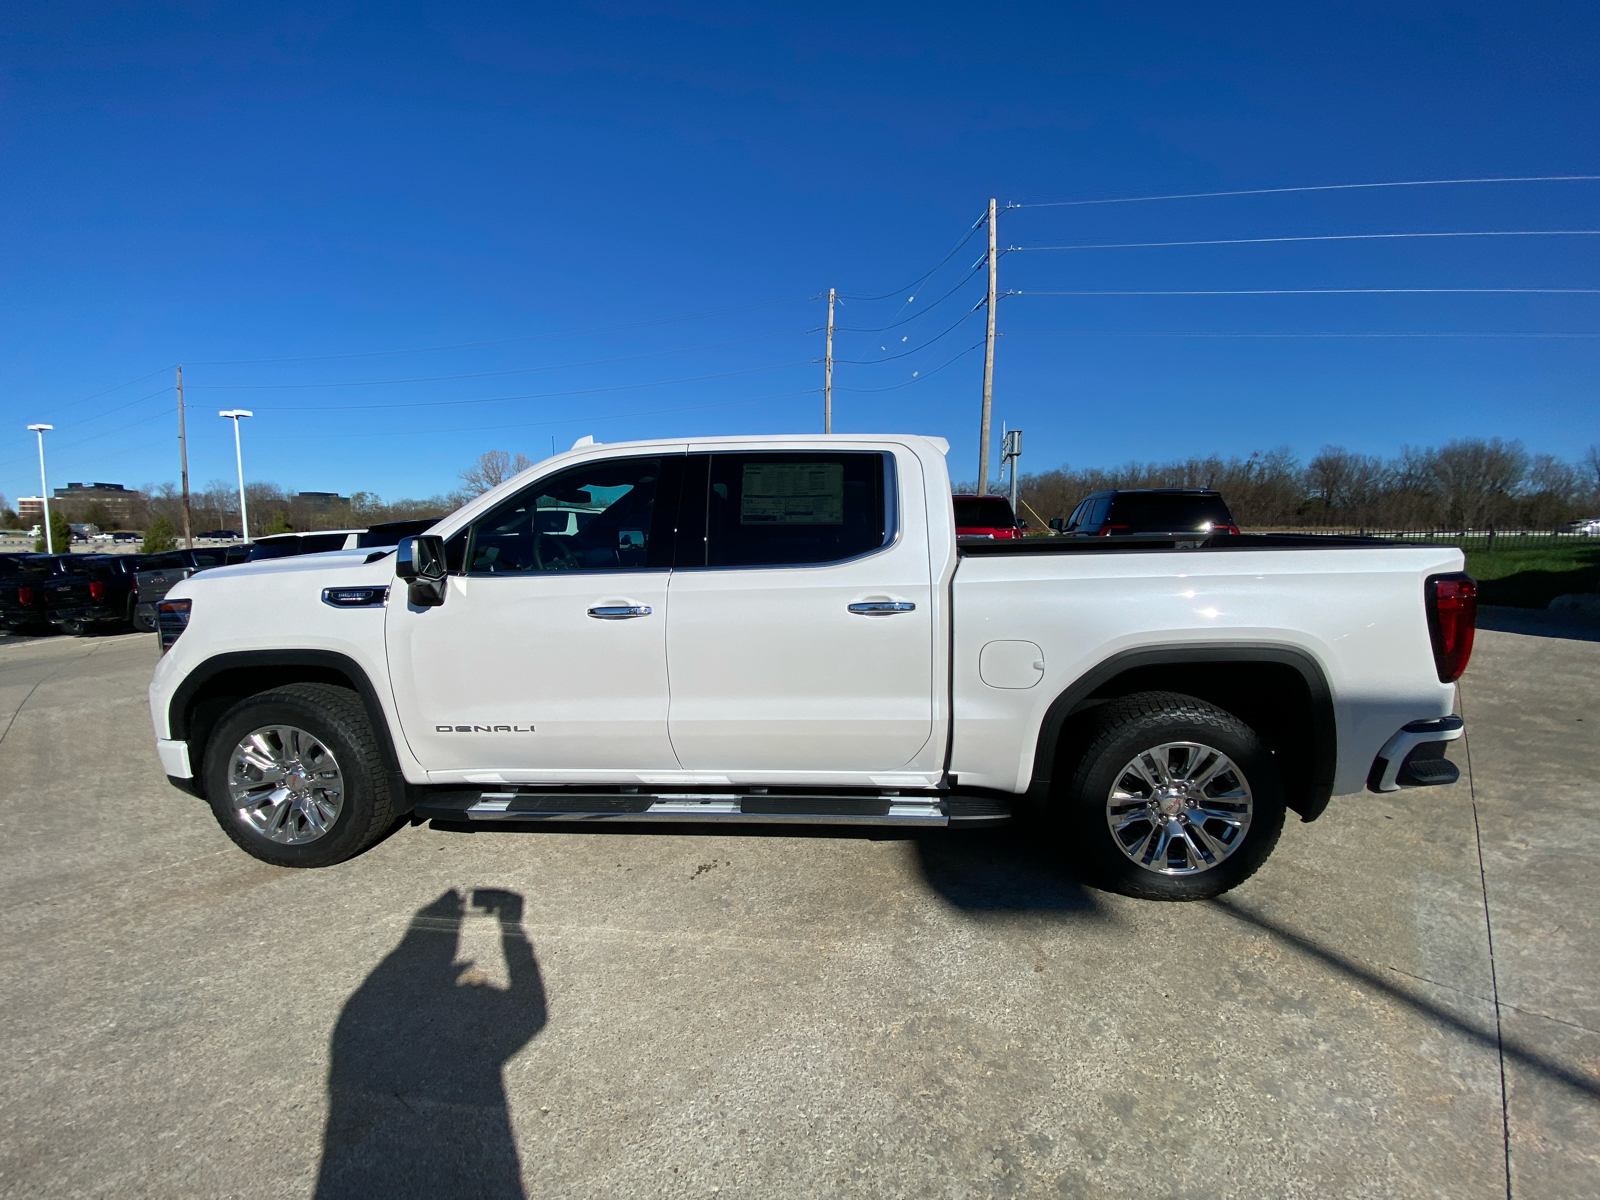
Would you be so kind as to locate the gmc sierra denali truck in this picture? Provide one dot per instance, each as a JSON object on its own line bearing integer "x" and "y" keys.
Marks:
{"x": 787, "y": 629}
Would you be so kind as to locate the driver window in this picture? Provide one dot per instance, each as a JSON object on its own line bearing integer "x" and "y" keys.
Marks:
{"x": 600, "y": 516}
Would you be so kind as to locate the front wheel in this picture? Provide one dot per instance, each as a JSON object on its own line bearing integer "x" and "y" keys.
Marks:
{"x": 295, "y": 777}
{"x": 1174, "y": 799}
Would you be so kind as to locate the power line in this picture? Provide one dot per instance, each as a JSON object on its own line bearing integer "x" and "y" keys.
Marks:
{"x": 1464, "y": 333}
{"x": 966, "y": 279}
{"x": 532, "y": 337}
{"x": 593, "y": 362}
{"x": 919, "y": 377}
{"x": 1325, "y": 237}
{"x": 624, "y": 387}
{"x": 118, "y": 388}
{"x": 869, "y": 362}
{"x": 889, "y": 295}
{"x": 1328, "y": 292}
{"x": 1326, "y": 187}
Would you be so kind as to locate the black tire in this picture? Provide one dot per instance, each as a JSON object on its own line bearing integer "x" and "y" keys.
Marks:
{"x": 1125, "y": 729}
{"x": 335, "y": 716}
{"x": 141, "y": 623}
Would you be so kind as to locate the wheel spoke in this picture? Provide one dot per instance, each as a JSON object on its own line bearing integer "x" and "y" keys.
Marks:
{"x": 1195, "y": 783}
{"x": 263, "y": 764}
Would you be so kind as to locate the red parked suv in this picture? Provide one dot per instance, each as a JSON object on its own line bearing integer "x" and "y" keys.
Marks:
{"x": 986, "y": 516}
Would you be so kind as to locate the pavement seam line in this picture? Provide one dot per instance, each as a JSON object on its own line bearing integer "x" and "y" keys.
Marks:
{"x": 1488, "y": 931}
{"x": 40, "y": 683}
{"x": 1527, "y": 1012}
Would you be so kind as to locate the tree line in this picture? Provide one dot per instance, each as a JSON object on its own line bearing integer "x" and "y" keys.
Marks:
{"x": 1470, "y": 483}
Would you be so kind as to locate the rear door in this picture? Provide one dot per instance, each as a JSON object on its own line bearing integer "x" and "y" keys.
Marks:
{"x": 800, "y": 639}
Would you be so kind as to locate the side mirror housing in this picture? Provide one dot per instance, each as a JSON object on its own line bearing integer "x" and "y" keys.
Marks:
{"x": 419, "y": 560}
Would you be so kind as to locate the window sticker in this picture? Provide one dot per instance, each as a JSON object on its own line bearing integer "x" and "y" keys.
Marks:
{"x": 792, "y": 494}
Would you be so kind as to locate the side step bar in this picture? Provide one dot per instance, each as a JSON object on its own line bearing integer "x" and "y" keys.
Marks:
{"x": 926, "y": 810}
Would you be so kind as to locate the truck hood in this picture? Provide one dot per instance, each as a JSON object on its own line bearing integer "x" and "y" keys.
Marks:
{"x": 336, "y": 564}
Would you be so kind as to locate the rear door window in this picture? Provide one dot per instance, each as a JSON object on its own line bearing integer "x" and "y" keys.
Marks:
{"x": 767, "y": 509}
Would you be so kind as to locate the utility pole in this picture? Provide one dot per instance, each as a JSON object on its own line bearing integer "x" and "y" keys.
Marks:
{"x": 827, "y": 373}
{"x": 183, "y": 458}
{"x": 44, "y": 488}
{"x": 988, "y": 364}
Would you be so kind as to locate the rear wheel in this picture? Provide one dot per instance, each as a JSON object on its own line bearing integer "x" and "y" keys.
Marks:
{"x": 295, "y": 776}
{"x": 1173, "y": 799}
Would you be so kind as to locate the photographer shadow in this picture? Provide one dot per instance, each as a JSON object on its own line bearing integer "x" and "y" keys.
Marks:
{"x": 416, "y": 1094}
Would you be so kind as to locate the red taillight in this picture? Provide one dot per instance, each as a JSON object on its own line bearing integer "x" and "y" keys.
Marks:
{"x": 1452, "y": 602}
{"x": 97, "y": 589}
{"x": 25, "y": 597}
{"x": 1233, "y": 529}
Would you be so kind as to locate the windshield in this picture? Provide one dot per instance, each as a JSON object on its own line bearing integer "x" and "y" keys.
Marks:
{"x": 1164, "y": 511}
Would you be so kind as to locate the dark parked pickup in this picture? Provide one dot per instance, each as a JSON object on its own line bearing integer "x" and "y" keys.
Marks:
{"x": 1151, "y": 511}
{"x": 22, "y": 579}
{"x": 93, "y": 593}
{"x": 158, "y": 572}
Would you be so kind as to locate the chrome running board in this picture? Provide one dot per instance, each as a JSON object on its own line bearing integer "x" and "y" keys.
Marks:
{"x": 927, "y": 810}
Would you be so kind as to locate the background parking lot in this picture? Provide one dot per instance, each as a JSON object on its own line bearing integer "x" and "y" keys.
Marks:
{"x": 1404, "y": 1002}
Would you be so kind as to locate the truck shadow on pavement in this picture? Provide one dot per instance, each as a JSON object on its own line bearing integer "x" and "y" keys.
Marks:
{"x": 1013, "y": 869}
{"x": 416, "y": 1095}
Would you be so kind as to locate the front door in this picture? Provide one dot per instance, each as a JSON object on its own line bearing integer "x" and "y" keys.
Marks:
{"x": 801, "y": 634}
{"x": 548, "y": 657}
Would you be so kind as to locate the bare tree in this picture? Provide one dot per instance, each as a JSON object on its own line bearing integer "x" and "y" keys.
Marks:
{"x": 1476, "y": 480}
{"x": 492, "y": 469}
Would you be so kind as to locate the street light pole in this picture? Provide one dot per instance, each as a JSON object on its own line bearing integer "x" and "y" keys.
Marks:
{"x": 44, "y": 489}
{"x": 238, "y": 455}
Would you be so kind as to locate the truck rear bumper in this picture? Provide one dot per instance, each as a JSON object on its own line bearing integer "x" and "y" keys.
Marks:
{"x": 1414, "y": 757}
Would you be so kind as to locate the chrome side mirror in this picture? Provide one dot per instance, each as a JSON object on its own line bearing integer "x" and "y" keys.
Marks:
{"x": 419, "y": 560}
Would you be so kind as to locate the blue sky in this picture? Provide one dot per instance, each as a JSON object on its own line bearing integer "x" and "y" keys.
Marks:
{"x": 404, "y": 235}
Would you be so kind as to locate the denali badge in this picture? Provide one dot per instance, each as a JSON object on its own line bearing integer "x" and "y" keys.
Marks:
{"x": 483, "y": 728}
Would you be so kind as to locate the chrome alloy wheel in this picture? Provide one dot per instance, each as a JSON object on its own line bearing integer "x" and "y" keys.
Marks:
{"x": 285, "y": 784}
{"x": 1179, "y": 808}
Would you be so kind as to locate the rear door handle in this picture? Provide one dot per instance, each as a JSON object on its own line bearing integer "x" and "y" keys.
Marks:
{"x": 619, "y": 612}
{"x": 871, "y": 608}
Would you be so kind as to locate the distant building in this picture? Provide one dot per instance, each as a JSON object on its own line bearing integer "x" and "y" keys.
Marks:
{"x": 321, "y": 503}
{"x": 117, "y": 500}
{"x": 30, "y": 508}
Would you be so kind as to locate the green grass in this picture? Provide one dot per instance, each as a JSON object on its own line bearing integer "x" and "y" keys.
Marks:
{"x": 1530, "y": 573}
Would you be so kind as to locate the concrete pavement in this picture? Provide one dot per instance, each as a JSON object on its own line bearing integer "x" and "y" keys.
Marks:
{"x": 700, "y": 1013}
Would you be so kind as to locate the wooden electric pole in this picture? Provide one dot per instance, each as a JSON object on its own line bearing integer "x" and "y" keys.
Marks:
{"x": 827, "y": 373}
{"x": 183, "y": 459}
{"x": 988, "y": 364}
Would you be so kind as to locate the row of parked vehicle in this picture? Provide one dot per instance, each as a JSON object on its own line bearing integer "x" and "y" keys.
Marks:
{"x": 107, "y": 593}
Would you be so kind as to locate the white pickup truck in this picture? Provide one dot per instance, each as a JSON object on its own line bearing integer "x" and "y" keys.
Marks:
{"x": 787, "y": 629}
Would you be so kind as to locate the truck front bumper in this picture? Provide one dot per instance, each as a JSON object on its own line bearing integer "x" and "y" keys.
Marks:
{"x": 1414, "y": 757}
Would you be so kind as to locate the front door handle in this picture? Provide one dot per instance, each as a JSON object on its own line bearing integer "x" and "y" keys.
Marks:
{"x": 619, "y": 612}
{"x": 872, "y": 608}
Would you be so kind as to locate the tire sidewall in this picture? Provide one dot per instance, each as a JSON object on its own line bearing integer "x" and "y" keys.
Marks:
{"x": 1098, "y": 772}
{"x": 349, "y": 830}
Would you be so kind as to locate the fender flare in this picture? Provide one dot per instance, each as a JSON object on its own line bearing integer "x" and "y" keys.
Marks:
{"x": 1324, "y": 726}
{"x": 328, "y": 661}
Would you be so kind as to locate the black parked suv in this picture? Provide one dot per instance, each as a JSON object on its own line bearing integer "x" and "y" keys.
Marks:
{"x": 158, "y": 572}
{"x": 1150, "y": 511}
{"x": 94, "y": 593}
